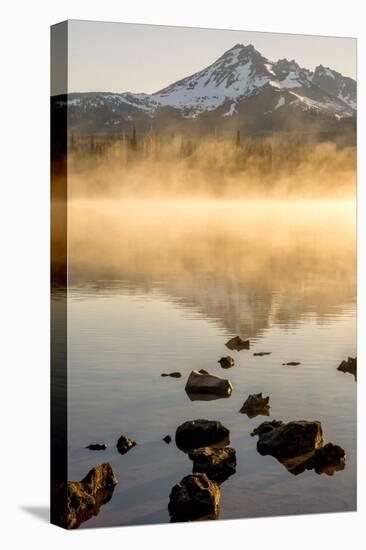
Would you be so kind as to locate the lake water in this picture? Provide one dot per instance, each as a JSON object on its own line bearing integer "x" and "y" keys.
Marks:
{"x": 160, "y": 286}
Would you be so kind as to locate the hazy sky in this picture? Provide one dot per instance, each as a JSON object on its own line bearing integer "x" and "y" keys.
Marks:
{"x": 145, "y": 58}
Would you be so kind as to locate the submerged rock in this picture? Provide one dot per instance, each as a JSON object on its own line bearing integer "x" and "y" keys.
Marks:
{"x": 237, "y": 343}
{"x": 124, "y": 444}
{"x": 83, "y": 498}
{"x": 256, "y": 405}
{"x": 292, "y": 363}
{"x": 194, "y": 434}
{"x": 195, "y": 497}
{"x": 349, "y": 366}
{"x": 97, "y": 447}
{"x": 167, "y": 439}
{"x": 261, "y": 353}
{"x": 203, "y": 382}
{"x": 217, "y": 463}
{"x": 172, "y": 374}
{"x": 226, "y": 362}
{"x": 291, "y": 439}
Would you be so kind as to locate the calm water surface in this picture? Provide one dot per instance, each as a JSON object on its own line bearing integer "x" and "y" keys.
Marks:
{"x": 161, "y": 287}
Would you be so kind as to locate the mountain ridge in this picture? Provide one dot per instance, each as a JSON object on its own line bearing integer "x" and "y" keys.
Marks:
{"x": 241, "y": 85}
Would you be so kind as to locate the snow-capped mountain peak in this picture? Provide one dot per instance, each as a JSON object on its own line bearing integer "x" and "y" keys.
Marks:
{"x": 240, "y": 71}
{"x": 241, "y": 84}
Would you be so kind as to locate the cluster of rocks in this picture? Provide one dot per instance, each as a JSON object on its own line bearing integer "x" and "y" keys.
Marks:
{"x": 197, "y": 496}
{"x": 124, "y": 444}
{"x": 298, "y": 445}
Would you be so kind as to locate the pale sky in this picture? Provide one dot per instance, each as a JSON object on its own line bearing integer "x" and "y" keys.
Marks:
{"x": 119, "y": 57}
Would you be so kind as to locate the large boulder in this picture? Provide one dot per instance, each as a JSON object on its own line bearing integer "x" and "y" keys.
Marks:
{"x": 195, "y": 497}
{"x": 237, "y": 343}
{"x": 194, "y": 434}
{"x": 200, "y": 381}
{"x": 349, "y": 366}
{"x": 77, "y": 501}
{"x": 256, "y": 405}
{"x": 291, "y": 439}
{"x": 217, "y": 463}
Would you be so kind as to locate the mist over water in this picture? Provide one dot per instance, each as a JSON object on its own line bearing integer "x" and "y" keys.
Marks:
{"x": 181, "y": 167}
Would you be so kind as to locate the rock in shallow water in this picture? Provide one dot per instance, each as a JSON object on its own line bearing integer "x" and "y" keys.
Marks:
{"x": 97, "y": 447}
{"x": 262, "y": 353}
{"x": 203, "y": 382}
{"x": 256, "y": 405}
{"x": 217, "y": 463}
{"x": 328, "y": 459}
{"x": 77, "y": 501}
{"x": 172, "y": 374}
{"x": 124, "y": 444}
{"x": 226, "y": 362}
{"x": 349, "y": 366}
{"x": 195, "y": 497}
{"x": 237, "y": 343}
{"x": 289, "y": 440}
{"x": 167, "y": 439}
{"x": 194, "y": 434}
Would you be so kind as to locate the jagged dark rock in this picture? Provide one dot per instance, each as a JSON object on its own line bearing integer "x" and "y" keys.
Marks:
{"x": 172, "y": 374}
{"x": 195, "y": 497}
{"x": 236, "y": 343}
{"x": 203, "y": 382}
{"x": 261, "y": 353}
{"x": 328, "y": 459}
{"x": 167, "y": 439}
{"x": 292, "y": 363}
{"x": 83, "y": 498}
{"x": 217, "y": 463}
{"x": 124, "y": 444}
{"x": 291, "y": 439}
{"x": 97, "y": 447}
{"x": 256, "y": 405}
{"x": 226, "y": 362}
{"x": 194, "y": 434}
{"x": 349, "y": 366}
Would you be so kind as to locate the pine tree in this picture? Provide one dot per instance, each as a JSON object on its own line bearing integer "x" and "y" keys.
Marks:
{"x": 237, "y": 141}
{"x": 133, "y": 139}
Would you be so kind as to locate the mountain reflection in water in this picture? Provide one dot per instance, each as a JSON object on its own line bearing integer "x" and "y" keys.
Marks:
{"x": 161, "y": 286}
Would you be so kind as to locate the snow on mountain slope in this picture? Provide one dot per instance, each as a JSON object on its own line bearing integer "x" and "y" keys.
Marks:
{"x": 227, "y": 85}
{"x": 337, "y": 85}
{"x": 241, "y": 71}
